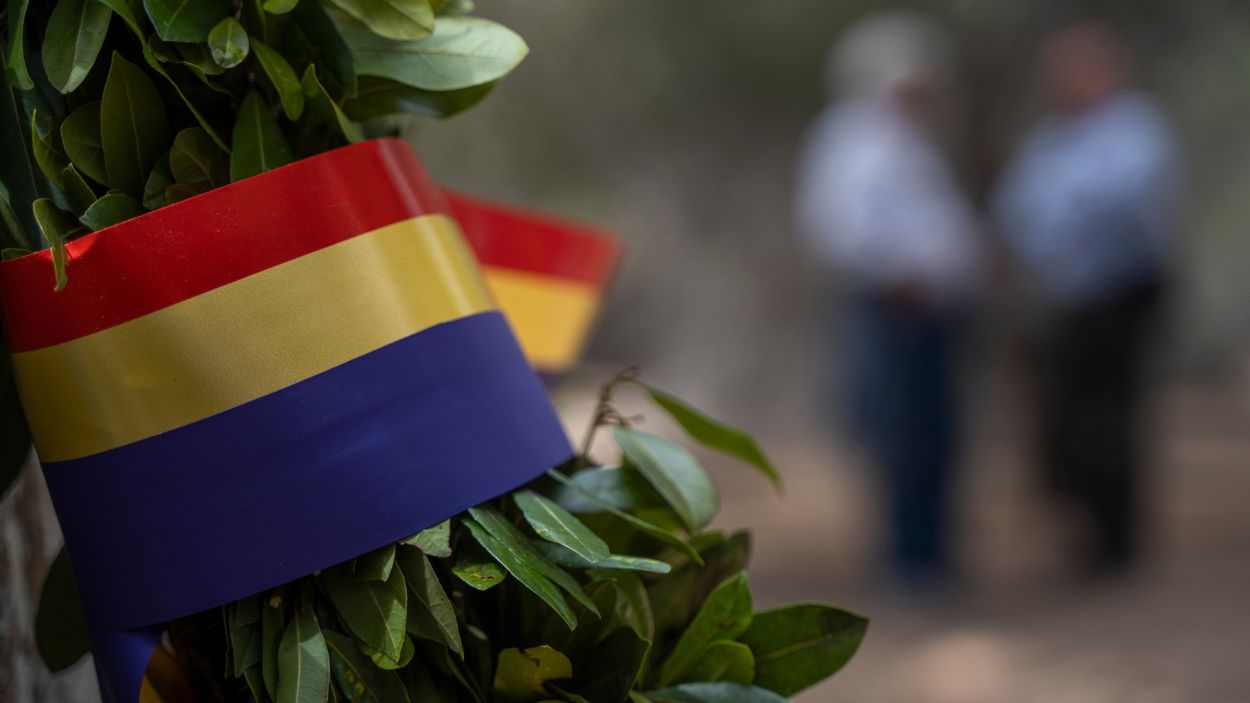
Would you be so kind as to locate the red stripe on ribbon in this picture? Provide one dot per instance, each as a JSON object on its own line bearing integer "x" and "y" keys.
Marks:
{"x": 510, "y": 238}
{"x": 211, "y": 240}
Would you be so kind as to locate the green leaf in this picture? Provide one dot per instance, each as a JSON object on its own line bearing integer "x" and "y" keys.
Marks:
{"x": 245, "y": 633}
{"x": 258, "y": 144}
{"x": 287, "y": 85}
{"x": 621, "y": 487}
{"x": 321, "y": 104}
{"x": 481, "y": 575}
{"x": 393, "y": 19}
{"x": 674, "y": 473}
{"x": 800, "y": 645}
{"x": 634, "y": 606}
{"x": 46, "y": 145}
{"x": 158, "y": 181}
{"x": 612, "y": 667}
{"x": 17, "y": 173}
{"x": 177, "y": 85}
{"x": 556, "y": 525}
{"x": 721, "y": 692}
{"x": 272, "y": 627}
{"x": 72, "y": 41}
{"x": 563, "y": 556}
{"x": 185, "y": 20}
{"x": 279, "y": 7}
{"x": 228, "y": 43}
{"x": 508, "y": 533}
{"x": 177, "y": 192}
{"x": 375, "y": 565}
{"x": 725, "y": 614}
{"x": 383, "y": 661}
{"x": 375, "y": 611}
{"x": 110, "y": 210}
{"x": 80, "y": 135}
{"x": 430, "y": 612}
{"x": 303, "y": 661}
{"x": 637, "y": 523}
{"x": 520, "y": 676}
{"x": 77, "y": 191}
{"x": 197, "y": 161}
{"x": 519, "y": 562}
{"x": 435, "y": 541}
{"x": 461, "y": 53}
{"x": 357, "y": 677}
{"x": 60, "y": 629}
{"x": 723, "y": 661}
{"x": 313, "y": 38}
{"x": 715, "y": 435}
{"x": 134, "y": 129}
{"x": 58, "y": 227}
{"x": 15, "y": 65}
{"x": 379, "y": 97}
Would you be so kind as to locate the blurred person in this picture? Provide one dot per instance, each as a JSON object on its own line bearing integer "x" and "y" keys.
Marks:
{"x": 884, "y": 218}
{"x": 1088, "y": 207}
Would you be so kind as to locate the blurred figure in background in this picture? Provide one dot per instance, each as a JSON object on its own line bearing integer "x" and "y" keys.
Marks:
{"x": 1088, "y": 207}
{"x": 884, "y": 217}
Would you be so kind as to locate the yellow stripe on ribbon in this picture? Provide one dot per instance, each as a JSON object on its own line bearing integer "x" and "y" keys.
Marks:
{"x": 247, "y": 339}
{"x": 550, "y": 316}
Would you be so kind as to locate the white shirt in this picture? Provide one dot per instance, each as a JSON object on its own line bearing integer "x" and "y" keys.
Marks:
{"x": 1089, "y": 204}
{"x": 877, "y": 200}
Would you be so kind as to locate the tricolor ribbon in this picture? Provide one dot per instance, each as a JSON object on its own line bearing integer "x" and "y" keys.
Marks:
{"x": 262, "y": 381}
{"x": 548, "y": 276}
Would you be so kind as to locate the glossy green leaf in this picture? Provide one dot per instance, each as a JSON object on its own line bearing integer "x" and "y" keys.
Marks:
{"x": 612, "y": 666}
{"x": 110, "y": 210}
{"x": 177, "y": 192}
{"x": 724, "y": 615}
{"x": 77, "y": 191}
{"x": 393, "y": 19}
{"x": 303, "y": 661}
{"x": 45, "y": 144}
{"x": 508, "y": 533}
{"x": 641, "y": 525}
{"x": 72, "y": 41}
{"x": 158, "y": 181}
{"x": 461, "y": 53}
{"x": 285, "y": 83}
{"x": 430, "y": 612}
{"x": 196, "y": 160}
{"x": 386, "y": 662}
{"x": 379, "y": 97}
{"x": 721, "y": 692}
{"x": 272, "y": 627}
{"x": 800, "y": 645}
{"x": 723, "y": 661}
{"x": 557, "y": 525}
{"x": 134, "y": 130}
{"x": 60, "y": 629}
{"x": 257, "y": 143}
{"x": 279, "y": 7}
{"x": 80, "y": 136}
{"x": 357, "y": 677}
{"x": 185, "y": 20}
{"x": 481, "y": 575}
{"x": 621, "y": 487}
{"x": 517, "y": 560}
{"x": 520, "y": 675}
{"x": 375, "y": 565}
{"x": 313, "y": 38}
{"x": 435, "y": 541}
{"x": 178, "y": 87}
{"x": 319, "y": 102}
{"x": 674, "y": 473}
{"x": 58, "y": 227}
{"x": 15, "y": 62}
{"x": 715, "y": 435}
{"x": 375, "y": 611}
{"x": 563, "y": 556}
{"x": 228, "y": 43}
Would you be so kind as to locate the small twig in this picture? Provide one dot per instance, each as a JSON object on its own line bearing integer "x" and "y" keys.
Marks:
{"x": 605, "y": 414}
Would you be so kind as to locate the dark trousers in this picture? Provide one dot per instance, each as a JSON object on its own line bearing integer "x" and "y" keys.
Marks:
{"x": 904, "y": 406}
{"x": 1092, "y": 374}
